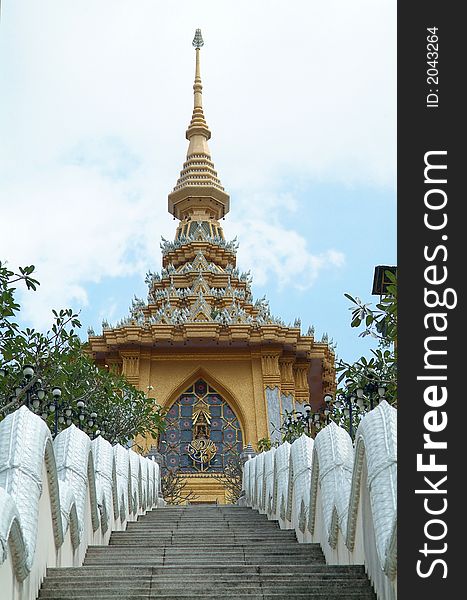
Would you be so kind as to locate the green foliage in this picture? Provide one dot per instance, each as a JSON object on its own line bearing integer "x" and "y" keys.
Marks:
{"x": 59, "y": 359}
{"x": 380, "y": 323}
{"x": 294, "y": 425}
{"x": 8, "y": 305}
{"x": 264, "y": 444}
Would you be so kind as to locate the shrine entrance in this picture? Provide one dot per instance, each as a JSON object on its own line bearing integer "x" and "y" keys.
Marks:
{"x": 202, "y": 434}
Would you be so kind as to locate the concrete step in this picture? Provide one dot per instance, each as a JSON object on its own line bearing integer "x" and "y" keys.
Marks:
{"x": 193, "y": 562}
{"x": 201, "y": 519}
{"x": 183, "y": 545}
{"x": 161, "y": 580}
{"x": 170, "y": 550}
{"x": 347, "y": 595}
{"x": 204, "y": 527}
{"x": 201, "y": 571}
{"x": 216, "y": 543}
{"x": 268, "y": 526}
{"x": 187, "y": 593}
{"x": 211, "y": 556}
{"x": 200, "y": 591}
{"x": 211, "y": 535}
{"x": 208, "y": 534}
{"x": 289, "y": 584}
{"x": 210, "y": 539}
{"x": 189, "y": 553}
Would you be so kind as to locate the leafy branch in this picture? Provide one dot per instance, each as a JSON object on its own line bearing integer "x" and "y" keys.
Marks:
{"x": 381, "y": 324}
{"x": 174, "y": 488}
{"x": 59, "y": 359}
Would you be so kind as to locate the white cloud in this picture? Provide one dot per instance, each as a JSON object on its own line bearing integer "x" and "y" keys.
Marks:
{"x": 96, "y": 100}
{"x": 108, "y": 313}
{"x": 272, "y": 251}
{"x": 308, "y": 86}
{"x": 76, "y": 227}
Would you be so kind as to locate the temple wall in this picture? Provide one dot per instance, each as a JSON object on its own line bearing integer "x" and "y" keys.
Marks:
{"x": 274, "y": 413}
{"x": 287, "y": 402}
{"x": 236, "y": 376}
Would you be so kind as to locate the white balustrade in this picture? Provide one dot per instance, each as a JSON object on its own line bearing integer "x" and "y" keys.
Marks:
{"x": 340, "y": 495}
{"x": 268, "y": 481}
{"x": 281, "y": 482}
{"x": 298, "y": 488}
{"x": 57, "y": 497}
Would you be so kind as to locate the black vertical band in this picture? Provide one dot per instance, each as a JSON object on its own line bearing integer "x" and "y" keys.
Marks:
{"x": 432, "y": 331}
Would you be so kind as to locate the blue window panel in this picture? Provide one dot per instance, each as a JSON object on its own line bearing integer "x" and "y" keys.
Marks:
{"x": 173, "y": 412}
{"x": 172, "y": 460}
{"x": 216, "y": 436}
{"x": 230, "y": 436}
{"x": 228, "y": 413}
{"x": 201, "y": 388}
{"x": 185, "y": 460}
{"x": 215, "y": 411}
{"x": 186, "y": 424}
{"x": 186, "y": 411}
{"x": 186, "y": 435}
{"x": 214, "y": 399}
{"x": 187, "y": 400}
{"x": 224, "y": 430}
{"x": 172, "y": 435}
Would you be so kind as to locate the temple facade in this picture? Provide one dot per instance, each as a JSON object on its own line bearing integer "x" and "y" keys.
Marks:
{"x": 219, "y": 362}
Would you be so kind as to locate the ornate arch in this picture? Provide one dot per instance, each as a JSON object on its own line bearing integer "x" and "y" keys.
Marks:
{"x": 204, "y": 427}
{"x": 225, "y": 392}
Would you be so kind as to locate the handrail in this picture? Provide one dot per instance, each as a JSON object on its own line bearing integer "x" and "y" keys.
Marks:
{"x": 340, "y": 496}
{"x": 57, "y": 497}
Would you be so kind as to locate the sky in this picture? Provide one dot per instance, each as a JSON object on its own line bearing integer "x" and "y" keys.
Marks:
{"x": 300, "y": 97}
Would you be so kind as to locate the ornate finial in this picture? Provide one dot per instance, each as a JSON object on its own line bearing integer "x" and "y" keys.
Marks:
{"x": 198, "y": 39}
{"x": 198, "y": 185}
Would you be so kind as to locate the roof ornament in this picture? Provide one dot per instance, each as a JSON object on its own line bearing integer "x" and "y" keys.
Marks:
{"x": 198, "y": 39}
{"x": 198, "y": 185}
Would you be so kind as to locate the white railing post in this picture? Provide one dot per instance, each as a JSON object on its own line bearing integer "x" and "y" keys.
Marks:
{"x": 58, "y": 498}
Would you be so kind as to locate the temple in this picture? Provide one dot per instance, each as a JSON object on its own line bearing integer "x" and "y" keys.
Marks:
{"x": 222, "y": 365}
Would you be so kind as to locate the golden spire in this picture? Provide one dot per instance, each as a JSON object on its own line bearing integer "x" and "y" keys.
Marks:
{"x": 198, "y": 125}
{"x": 198, "y": 193}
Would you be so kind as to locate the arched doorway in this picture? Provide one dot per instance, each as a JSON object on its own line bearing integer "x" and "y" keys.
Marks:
{"x": 202, "y": 432}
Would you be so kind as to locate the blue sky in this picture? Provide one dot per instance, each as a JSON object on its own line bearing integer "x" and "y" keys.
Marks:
{"x": 301, "y": 104}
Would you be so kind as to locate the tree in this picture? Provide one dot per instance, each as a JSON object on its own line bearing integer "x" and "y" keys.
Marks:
{"x": 264, "y": 444}
{"x": 174, "y": 488}
{"x": 363, "y": 382}
{"x": 293, "y": 426}
{"x": 58, "y": 358}
{"x": 8, "y": 305}
{"x": 231, "y": 477}
{"x": 380, "y": 370}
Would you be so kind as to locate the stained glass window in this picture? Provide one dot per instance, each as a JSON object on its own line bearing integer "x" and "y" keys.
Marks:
{"x": 223, "y": 430}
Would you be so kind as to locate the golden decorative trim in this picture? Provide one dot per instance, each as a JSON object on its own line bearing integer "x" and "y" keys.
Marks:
{"x": 130, "y": 365}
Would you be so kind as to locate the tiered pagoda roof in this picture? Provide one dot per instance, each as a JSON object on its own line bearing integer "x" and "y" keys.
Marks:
{"x": 200, "y": 297}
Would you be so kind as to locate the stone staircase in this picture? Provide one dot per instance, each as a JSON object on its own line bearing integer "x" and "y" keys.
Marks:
{"x": 197, "y": 552}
